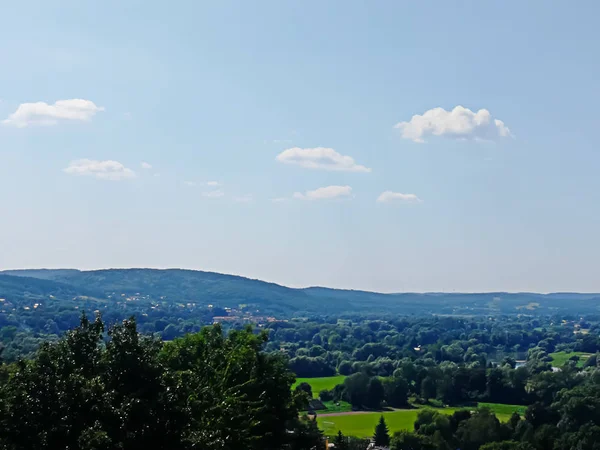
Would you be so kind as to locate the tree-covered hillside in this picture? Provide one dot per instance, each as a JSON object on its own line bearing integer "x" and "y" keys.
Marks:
{"x": 38, "y": 305}
{"x": 204, "y": 288}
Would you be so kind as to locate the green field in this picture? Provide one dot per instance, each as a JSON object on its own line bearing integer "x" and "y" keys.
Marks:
{"x": 335, "y": 407}
{"x": 363, "y": 424}
{"x": 560, "y": 358}
{"x": 503, "y": 411}
{"x": 319, "y": 384}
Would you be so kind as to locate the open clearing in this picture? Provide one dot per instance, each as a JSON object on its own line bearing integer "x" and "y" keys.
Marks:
{"x": 362, "y": 424}
{"x": 560, "y": 358}
{"x": 319, "y": 384}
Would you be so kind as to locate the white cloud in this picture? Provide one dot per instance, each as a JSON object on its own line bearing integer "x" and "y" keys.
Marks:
{"x": 103, "y": 170}
{"x": 247, "y": 198}
{"x": 279, "y": 200}
{"x": 190, "y": 183}
{"x": 213, "y": 194}
{"x": 460, "y": 123}
{"x": 320, "y": 158}
{"x": 389, "y": 196}
{"x": 213, "y": 183}
{"x": 41, "y": 113}
{"x": 324, "y": 193}
{"x": 145, "y": 165}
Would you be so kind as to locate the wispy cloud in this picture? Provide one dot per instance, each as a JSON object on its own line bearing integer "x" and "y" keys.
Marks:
{"x": 103, "y": 170}
{"x": 460, "y": 123}
{"x": 190, "y": 183}
{"x": 327, "y": 192}
{"x": 41, "y": 113}
{"x": 247, "y": 198}
{"x": 213, "y": 194}
{"x": 320, "y": 158}
{"x": 146, "y": 166}
{"x": 212, "y": 183}
{"x": 390, "y": 196}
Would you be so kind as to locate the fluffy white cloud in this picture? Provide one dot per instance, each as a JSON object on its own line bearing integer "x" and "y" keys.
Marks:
{"x": 213, "y": 194}
{"x": 41, "y": 113}
{"x": 460, "y": 123}
{"x": 325, "y": 193}
{"x": 145, "y": 165}
{"x": 320, "y": 158}
{"x": 389, "y": 196}
{"x": 103, "y": 170}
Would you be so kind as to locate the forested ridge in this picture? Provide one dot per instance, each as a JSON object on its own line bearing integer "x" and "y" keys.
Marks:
{"x": 39, "y": 305}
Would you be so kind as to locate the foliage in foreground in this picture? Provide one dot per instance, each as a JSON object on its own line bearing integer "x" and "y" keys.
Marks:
{"x": 204, "y": 391}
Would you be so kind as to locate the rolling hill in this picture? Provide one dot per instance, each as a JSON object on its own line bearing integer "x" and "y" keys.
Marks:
{"x": 201, "y": 287}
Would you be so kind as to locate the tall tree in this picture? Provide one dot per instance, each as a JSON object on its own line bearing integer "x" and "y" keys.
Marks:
{"x": 396, "y": 391}
{"x": 238, "y": 396}
{"x": 340, "y": 441}
{"x": 381, "y": 437}
{"x": 404, "y": 440}
{"x": 375, "y": 393}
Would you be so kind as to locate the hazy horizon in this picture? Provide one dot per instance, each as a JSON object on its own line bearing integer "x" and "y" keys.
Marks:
{"x": 342, "y": 288}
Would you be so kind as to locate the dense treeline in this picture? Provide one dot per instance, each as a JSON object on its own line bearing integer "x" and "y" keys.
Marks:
{"x": 444, "y": 361}
{"x": 568, "y": 419}
{"x": 41, "y": 305}
{"x": 322, "y": 348}
{"x": 119, "y": 390}
{"x": 564, "y": 416}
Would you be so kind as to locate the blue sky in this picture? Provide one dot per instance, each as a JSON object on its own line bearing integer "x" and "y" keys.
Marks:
{"x": 273, "y": 128}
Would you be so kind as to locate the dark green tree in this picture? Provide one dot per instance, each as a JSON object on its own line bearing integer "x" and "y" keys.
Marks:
{"x": 404, "y": 440}
{"x": 355, "y": 387}
{"x": 375, "y": 393}
{"x": 305, "y": 387}
{"x": 396, "y": 391}
{"x": 428, "y": 388}
{"x": 340, "y": 441}
{"x": 381, "y": 437}
{"x": 238, "y": 396}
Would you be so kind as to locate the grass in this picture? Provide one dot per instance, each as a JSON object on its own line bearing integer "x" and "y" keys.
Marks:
{"x": 560, "y": 358}
{"x": 501, "y": 410}
{"x": 332, "y": 407}
{"x": 363, "y": 424}
{"x": 320, "y": 384}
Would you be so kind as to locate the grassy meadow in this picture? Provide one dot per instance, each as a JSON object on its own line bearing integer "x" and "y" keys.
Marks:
{"x": 362, "y": 424}
{"x": 319, "y": 384}
{"x": 560, "y": 358}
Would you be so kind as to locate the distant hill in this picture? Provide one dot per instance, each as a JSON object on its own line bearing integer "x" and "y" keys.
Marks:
{"x": 43, "y": 274}
{"x": 178, "y": 285}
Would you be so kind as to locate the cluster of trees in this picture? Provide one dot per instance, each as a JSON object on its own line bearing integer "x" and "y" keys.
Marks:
{"x": 453, "y": 384}
{"x": 380, "y": 347}
{"x": 97, "y": 389}
{"x": 120, "y": 390}
{"x": 370, "y": 392}
{"x": 570, "y": 421}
